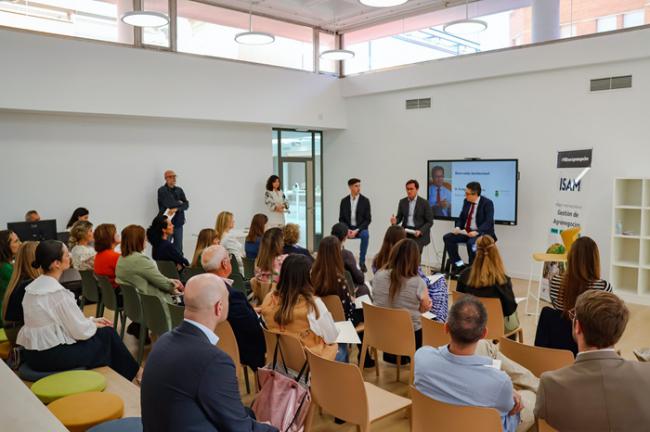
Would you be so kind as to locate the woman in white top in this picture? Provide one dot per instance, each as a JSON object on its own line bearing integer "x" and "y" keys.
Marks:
{"x": 82, "y": 253}
{"x": 223, "y": 227}
{"x": 276, "y": 202}
{"x": 56, "y": 335}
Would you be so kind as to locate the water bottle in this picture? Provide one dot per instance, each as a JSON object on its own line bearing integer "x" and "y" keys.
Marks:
{"x": 619, "y": 227}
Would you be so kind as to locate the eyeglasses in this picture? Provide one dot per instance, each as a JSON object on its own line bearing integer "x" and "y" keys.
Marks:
{"x": 572, "y": 314}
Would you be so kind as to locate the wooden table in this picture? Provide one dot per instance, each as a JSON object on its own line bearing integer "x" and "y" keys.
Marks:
{"x": 129, "y": 392}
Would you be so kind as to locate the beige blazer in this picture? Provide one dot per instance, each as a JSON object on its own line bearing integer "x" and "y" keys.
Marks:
{"x": 599, "y": 392}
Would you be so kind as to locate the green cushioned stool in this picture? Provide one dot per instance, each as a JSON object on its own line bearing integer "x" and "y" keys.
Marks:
{"x": 3, "y": 335}
{"x": 67, "y": 383}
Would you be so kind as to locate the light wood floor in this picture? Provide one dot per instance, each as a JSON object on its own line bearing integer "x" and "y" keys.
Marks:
{"x": 636, "y": 335}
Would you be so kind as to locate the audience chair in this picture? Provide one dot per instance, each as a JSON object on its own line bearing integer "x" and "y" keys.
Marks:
{"x": 228, "y": 344}
{"x": 111, "y": 302}
{"x": 433, "y": 333}
{"x": 542, "y": 426}
{"x": 495, "y": 318}
{"x": 238, "y": 282}
{"x": 190, "y": 272}
{"x": 153, "y": 311}
{"x": 291, "y": 354}
{"x": 249, "y": 267}
{"x": 270, "y": 340}
{"x": 235, "y": 266}
{"x": 133, "y": 311}
{"x": 260, "y": 289}
{"x": 536, "y": 359}
{"x": 334, "y": 305}
{"x": 388, "y": 330}
{"x": 90, "y": 291}
{"x": 338, "y": 388}
{"x": 554, "y": 330}
{"x": 427, "y": 413}
{"x": 168, "y": 269}
{"x": 176, "y": 313}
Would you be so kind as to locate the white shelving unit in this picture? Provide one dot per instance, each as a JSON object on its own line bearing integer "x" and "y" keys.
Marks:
{"x": 630, "y": 260}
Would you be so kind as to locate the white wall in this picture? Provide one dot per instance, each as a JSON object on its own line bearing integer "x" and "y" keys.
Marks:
{"x": 113, "y": 166}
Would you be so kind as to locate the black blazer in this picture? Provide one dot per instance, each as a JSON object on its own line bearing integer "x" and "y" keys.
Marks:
{"x": 173, "y": 198}
{"x": 484, "y": 217}
{"x": 422, "y": 217}
{"x": 248, "y": 331}
{"x": 190, "y": 385}
{"x": 363, "y": 212}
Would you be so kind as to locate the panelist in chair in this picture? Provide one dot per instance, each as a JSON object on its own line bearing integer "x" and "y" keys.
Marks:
{"x": 476, "y": 219}
{"x": 354, "y": 212}
{"x": 415, "y": 215}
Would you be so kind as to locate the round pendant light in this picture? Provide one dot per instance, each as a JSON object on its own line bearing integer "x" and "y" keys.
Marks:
{"x": 253, "y": 37}
{"x": 382, "y": 3}
{"x": 465, "y": 26}
{"x": 337, "y": 54}
{"x": 145, "y": 19}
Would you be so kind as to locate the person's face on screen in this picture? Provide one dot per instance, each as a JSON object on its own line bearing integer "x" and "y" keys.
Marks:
{"x": 438, "y": 177}
{"x": 470, "y": 195}
{"x": 411, "y": 191}
{"x": 355, "y": 189}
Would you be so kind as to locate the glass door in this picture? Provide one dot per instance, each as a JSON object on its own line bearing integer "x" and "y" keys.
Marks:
{"x": 297, "y": 187}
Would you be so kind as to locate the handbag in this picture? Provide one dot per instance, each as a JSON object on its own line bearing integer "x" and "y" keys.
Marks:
{"x": 282, "y": 399}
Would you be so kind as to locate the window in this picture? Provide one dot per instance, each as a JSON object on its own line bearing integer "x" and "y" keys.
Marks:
{"x": 81, "y": 18}
{"x": 157, "y": 36}
{"x": 211, "y": 30}
{"x": 326, "y": 41}
{"x": 633, "y": 19}
{"x": 606, "y": 24}
{"x": 567, "y": 31}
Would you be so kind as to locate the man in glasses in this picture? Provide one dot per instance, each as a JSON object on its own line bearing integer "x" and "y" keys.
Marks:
{"x": 172, "y": 201}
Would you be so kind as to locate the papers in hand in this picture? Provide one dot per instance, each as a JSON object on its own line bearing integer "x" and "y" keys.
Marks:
{"x": 429, "y": 315}
{"x": 459, "y": 231}
{"x": 434, "y": 278}
{"x": 496, "y": 364}
{"x": 170, "y": 213}
{"x": 519, "y": 299}
{"x": 359, "y": 301}
{"x": 347, "y": 333}
{"x": 409, "y": 231}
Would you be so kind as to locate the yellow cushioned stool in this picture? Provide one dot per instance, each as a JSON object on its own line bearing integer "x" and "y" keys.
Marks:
{"x": 68, "y": 383}
{"x": 5, "y": 349}
{"x": 82, "y": 411}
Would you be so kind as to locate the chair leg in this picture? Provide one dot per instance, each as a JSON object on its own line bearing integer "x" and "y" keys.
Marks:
{"x": 362, "y": 357}
{"x": 248, "y": 385}
{"x": 530, "y": 283}
{"x": 309, "y": 419}
{"x": 376, "y": 362}
{"x": 143, "y": 336}
{"x": 399, "y": 365}
{"x": 123, "y": 325}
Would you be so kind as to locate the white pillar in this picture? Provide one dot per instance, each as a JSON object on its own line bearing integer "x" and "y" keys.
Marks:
{"x": 546, "y": 20}
{"x": 124, "y": 31}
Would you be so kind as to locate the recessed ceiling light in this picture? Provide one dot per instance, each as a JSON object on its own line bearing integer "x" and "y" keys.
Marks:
{"x": 382, "y": 3}
{"x": 337, "y": 54}
{"x": 145, "y": 19}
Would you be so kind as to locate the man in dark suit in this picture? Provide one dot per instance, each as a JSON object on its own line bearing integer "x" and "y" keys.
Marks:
{"x": 415, "y": 215}
{"x": 241, "y": 316}
{"x": 476, "y": 219}
{"x": 172, "y": 198}
{"x": 188, "y": 382}
{"x": 354, "y": 212}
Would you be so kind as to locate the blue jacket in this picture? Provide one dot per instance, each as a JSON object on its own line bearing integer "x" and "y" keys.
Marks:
{"x": 248, "y": 331}
{"x": 173, "y": 198}
{"x": 484, "y": 217}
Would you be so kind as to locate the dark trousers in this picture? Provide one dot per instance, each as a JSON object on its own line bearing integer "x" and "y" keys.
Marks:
{"x": 103, "y": 349}
{"x": 451, "y": 244}
{"x": 178, "y": 238}
{"x": 421, "y": 241}
{"x": 392, "y": 358}
{"x": 363, "y": 247}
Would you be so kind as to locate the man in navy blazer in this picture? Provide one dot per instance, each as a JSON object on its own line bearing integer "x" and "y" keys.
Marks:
{"x": 189, "y": 384}
{"x": 414, "y": 214}
{"x": 476, "y": 219}
{"x": 354, "y": 212}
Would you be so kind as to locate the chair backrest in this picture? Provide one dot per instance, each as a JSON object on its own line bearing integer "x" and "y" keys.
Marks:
{"x": 569, "y": 236}
{"x": 555, "y": 331}
{"x": 153, "y": 311}
{"x": 132, "y": 303}
{"x": 249, "y": 267}
{"x": 339, "y": 389}
{"x": 260, "y": 289}
{"x": 426, "y": 412}
{"x": 235, "y": 266}
{"x": 176, "y": 313}
{"x": 293, "y": 353}
{"x": 109, "y": 298}
{"x": 190, "y": 272}
{"x": 389, "y": 330}
{"x": 270, "y": 339}
{"x": 238, "y": 282}
{"x": 495, "y": 322}
{"x": 334, "y": 305}
{"x": 433, "y": 333}
{"x": 535, "y": 359}
{"x": 168, "y": 269}
{"x": 542, "y": 426}
{"x": 89, "y": 287}
{"x": 227, "y": 342}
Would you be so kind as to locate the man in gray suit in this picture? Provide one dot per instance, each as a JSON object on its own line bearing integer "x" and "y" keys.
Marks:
{"x": 600, "y": 391}
{"x": 415, "y": 215}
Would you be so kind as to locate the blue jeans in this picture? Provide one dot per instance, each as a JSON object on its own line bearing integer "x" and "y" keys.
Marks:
{"x": 178, "y": 238}
{"x": 342, "y": 354}
{"x": 364, "y": 236}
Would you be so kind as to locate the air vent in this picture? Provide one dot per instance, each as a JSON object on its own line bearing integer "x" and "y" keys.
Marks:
{"x": 418, "y": 103}
{"x": 612, "y": 83}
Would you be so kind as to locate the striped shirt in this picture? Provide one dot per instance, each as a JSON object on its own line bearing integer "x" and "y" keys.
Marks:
{"x": 557, "y": 294}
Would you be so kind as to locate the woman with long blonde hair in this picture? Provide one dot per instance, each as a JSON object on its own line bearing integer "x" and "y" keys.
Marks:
{"x": 223, "y": 227}
{"x": 487, "y": 278}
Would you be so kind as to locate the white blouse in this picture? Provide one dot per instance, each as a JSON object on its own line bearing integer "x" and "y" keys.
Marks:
{"x": 324, "y": 325}
{"x": 52, "y": 316}
{"x": 234, "y": 247}
{"x": 83, "y": 257}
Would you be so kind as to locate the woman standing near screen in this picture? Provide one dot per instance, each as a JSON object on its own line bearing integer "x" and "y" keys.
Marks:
{"x": 276, "y": 202}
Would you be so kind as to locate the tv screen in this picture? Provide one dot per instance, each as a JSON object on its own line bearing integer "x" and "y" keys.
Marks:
{"x": 37, "y": 231}
{"x": 498, "y": 178}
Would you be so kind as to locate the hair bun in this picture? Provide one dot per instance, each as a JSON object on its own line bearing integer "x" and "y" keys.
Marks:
{"x": 36, "y": 264}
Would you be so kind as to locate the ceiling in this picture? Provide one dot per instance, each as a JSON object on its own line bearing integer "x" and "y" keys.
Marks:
{"x": 333, "y": 15}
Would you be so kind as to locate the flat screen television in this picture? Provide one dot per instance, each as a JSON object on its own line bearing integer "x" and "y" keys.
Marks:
{"x": 41, "y": 230}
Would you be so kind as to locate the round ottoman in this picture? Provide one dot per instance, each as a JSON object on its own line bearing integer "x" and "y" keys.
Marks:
{"x": 68, "y": 383}
{"x": 85, "y": 410}
{"x": 5, "y": 349}
{"x": 28, "y": 374}
{"x": 129, "y": 424}
{"x": 3, "y": 335}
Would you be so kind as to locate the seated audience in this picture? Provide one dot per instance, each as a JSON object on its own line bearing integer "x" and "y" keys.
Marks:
{"x": 487, "y": 278}
{"x": 56, "y": 335}
{"x": 398, "y": 286}
{"x": 454, "y": 374}
{"x": 241, "y": 316}
{"x": 223, "y": 227}
{"x": 328, "y": 278}
{"x": 23, "y": 274}
{"x": 207, "y": 237}
{"x": 293, "y": 308}
{"x": 270, "y": 258}
{"x": 437, "y": 290}
{"x": 9, "y": 245}
{"x": 106, "y": 240}
{"x": 79, "y": 214}
{"x": 340, "y": 231}
{"x": 291, "y": 233}
{"x": 601, "y": 391}
{"x": 81, "y": 237}
{"x": 137, "y": 269}
{"x": 189, "y": 383}
{"x": 158, "y": 234}
{"x": 32, "y": 216}
{"x": 254, "y": 236}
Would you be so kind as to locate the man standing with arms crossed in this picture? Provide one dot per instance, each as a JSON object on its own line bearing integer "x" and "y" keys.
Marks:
{"x": 354, "y": 212}
{"x": 171, "y": 199}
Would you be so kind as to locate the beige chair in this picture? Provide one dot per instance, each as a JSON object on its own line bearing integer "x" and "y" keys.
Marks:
{"x": 433, "y": 333}
{"x": 536, "y": 359}
{"x": 293, "y": 353}
{"x": 334, "y": 305}
{"x": 260, "y": 289}
{"x": 495, "y": 318}
{"x": 388, "y": 330}
{"x": 228, "y": 344}
{"x": 428, "y": 414}
{"x": 542, "y": 426}
{"x": 339, "y": 389}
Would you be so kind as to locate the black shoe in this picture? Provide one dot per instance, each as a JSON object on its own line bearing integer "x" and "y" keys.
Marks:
{"x": 369, "y": 363}
{"x": 363, "y": 268}
{"x": 338, "y": 420}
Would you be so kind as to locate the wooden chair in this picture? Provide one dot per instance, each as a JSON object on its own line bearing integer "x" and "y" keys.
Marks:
{"x": 536, "y": 359}
{"x": 249, "y": 267}
{"x": 388, "y": 330}
{"x": 293, "y": 353}
{"x": 228, "y": 343}
{"x": 334, "y": 305}
{"x": 168, "y": 269}
{"x": 133, "y": 311}
{"x": 260, "y": 289}
{"x": 495, "y": 318}
{"x": 110, "y": 302}
{"x": 433, "y": 333}
{"x": 90, "y": 291}
{"x": 176, "y": 313}
{"x": 153, "y": 311}
{"x": 428, "y": 413}
{"x": 339, "y": 389}
{"x": 542, "y": 426}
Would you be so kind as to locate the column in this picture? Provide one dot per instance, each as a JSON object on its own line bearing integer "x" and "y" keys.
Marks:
{"x": 546, "y": 20}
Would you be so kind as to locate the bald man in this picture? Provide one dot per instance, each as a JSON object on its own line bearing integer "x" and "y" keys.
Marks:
{"x": 172, "y": 198}
{"x": 188, "y": 382}
{"x": 241, "y": 316}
